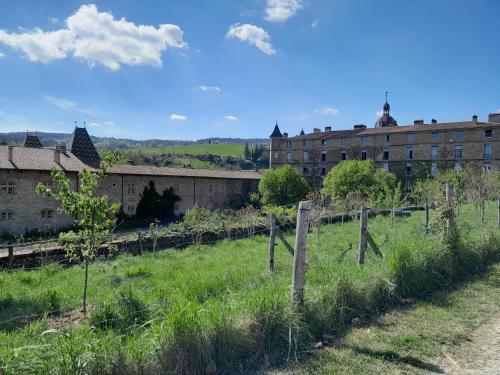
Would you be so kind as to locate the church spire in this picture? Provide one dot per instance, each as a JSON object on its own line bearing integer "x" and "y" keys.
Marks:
{"x": 387, "y": 107}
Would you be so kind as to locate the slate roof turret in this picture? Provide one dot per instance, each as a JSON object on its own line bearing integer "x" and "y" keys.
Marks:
{"x": 83, "y": 148}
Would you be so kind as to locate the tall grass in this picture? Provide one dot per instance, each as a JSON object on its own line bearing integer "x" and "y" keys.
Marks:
{"x": 210, "y": 309}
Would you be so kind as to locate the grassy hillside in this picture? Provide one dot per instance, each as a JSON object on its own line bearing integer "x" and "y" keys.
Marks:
{"x": 217, "y": 307}
{"x": 196, "y": 149}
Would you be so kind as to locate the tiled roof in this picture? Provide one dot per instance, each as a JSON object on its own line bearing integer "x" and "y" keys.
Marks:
{"x": 82, "y": 147}
{"x": 32, "y": 141}
{"x": 276, "y": 132}
{"x": 428, "y": 127}
{"x": 38, "y": 159}
{"x": 146, "y": 170}
{"x": 327, "y": 135}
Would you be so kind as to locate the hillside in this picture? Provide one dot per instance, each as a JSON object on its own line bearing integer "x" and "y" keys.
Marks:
{"x": 51, "y": 139}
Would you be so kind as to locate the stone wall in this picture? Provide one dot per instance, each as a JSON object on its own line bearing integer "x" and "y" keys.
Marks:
{"x": 29, "y": 210}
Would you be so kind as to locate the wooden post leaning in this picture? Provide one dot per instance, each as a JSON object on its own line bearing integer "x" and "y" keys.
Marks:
{"x": 363, "y": 228}
{"x": 450, "y": 219}
{"x": 299, "y": 258}
{"x": 272, "y": 240}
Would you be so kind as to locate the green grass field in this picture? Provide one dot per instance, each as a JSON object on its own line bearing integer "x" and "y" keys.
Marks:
{"x": 217, "y": 307}
{"x": 196, "y": 149}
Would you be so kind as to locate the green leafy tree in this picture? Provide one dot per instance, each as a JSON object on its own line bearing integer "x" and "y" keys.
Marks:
{"x": 94, "y": 217}
{"x": 282, "y": 186}
{"x": 358, "y": 178}
{"x": 155, "y": 206}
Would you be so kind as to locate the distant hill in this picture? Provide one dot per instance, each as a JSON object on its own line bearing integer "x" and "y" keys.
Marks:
{"x": 51, "y": 139}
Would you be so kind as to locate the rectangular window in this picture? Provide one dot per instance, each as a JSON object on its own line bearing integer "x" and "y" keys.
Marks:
{"x": 304, "y": 142}
{"x": 6, "y": 216}
{"x": 387, "y": 138}
{"x": 289, "y": 157}
{"x": 434, "y": 152}
{"x": 131, "y": 188}
{"x": 435, "y": 136}
{"x": 343, "y": 155}
{"x": 386, "y": 154}
{"x": 459, "y": 135}
{"x": 47, "y": 214}
{"x": 409, "y": 169}
{"x": 458, "y": 152}
{"x": 457, "y": 167}
{"x": 386, "y": 167}
{"x": 305, "y": 171}
{"x": 363, "y": 155}
{"x": 7, "y": 188}
{"x": 289, "y": 144}
{"x": 324, "y": 142}
{"x": 487, "y": 150}
{"x": 323, "y": 155}
{"x": 130, "y": 210}
{"x": 488, "y": 133}
{"x": 364, "y": 140}
{"x": 276, "y": 155}
{"x": 410, "y": 137}
{"x": 306, "y": 156}
{"x": 323, "y": 171}
{"x": 409, "y": 153}
{"x": 342, "y": 141}
{"x": 434, "y": 168}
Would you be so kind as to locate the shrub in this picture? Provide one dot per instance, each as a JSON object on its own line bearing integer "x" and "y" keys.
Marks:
{"x": 131, "y": 309}
{"x": 51, "y": 302}
{"x": 282, "y": 186}
{"x": 104, "y": 317}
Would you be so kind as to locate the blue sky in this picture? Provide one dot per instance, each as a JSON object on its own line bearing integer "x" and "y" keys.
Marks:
{"x": 197, "y": 69}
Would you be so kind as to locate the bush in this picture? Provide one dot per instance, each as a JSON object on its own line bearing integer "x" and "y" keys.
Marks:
{"x": 282, "y": 186}
{"x": 104, "y": 318}
{"x": 131, "y": 309}
{"x": 51, "y": 302}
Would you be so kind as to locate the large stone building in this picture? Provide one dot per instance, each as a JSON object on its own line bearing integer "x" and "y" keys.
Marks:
{"x": 22, "y": 168}
{"x": 410, "y": 151}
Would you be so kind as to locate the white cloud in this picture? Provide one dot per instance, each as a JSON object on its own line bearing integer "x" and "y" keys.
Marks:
{"x": 67, "y": 104}
{"x": 1, "y": 55}
{"x": 325, "y": 111}
{"x": 252, "y": 34}
{"x": 98, "y": 38}
{"x": 176, "y": 117}
{"x": 281, "y": 10}
{"x": 209, "y": 88}
{"x": 231, "y": 118}
{"x": 315, "y": 24}
{"x": 99, "y": 124}
{"x": 379, "y": 113}
{"x": 53, "y": 19}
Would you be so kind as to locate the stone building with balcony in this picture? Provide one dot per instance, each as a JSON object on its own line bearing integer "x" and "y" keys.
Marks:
{"x": 409, "y": 151}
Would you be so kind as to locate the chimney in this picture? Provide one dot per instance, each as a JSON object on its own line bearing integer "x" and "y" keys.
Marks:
{"x": 328, "y": 129}
{"x": 418, "y": 122}
{"x": 494, "y": 118}
{"x": 57, "y": 156}
{"x": 317, "y": 130}
{"x": 285, "y": 135}
{"x": 360, "y": 126}
{"x": 434, "y": 121}
{"x": 11, "y": 154}
{"x": 474, "y": 119}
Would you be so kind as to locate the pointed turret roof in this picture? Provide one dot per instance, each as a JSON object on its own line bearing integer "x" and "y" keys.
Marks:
{"x": 276, "y": 132}
{"x": 32, "y": 141}
{"x": 83, "y": 148}
{"x": 302, "y": 132}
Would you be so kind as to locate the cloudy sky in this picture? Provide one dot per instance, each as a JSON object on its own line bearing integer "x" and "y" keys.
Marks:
{"x": 194, "y": 69}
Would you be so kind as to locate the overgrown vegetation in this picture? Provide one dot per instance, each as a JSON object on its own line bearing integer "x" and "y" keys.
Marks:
{"x": 215, "y": 308}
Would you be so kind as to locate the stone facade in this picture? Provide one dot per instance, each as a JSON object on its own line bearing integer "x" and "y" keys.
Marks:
{"x": 411, "y": 151}
{"x": 23, "y": 168}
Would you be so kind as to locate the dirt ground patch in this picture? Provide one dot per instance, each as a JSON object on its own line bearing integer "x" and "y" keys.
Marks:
{"x": 480, "y": 355}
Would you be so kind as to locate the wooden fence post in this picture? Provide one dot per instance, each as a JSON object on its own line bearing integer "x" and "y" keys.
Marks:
{"x": 11, "y": 254}
{"x": 363, "y": 224}
{"x": 272, "y": 238}
{"x": 498, "y": 211}
{"x": 299, "y": 257}
{"x": 450, "y": 222}
{"x": 139, "y": 240}
{"x": 426, "y": 219}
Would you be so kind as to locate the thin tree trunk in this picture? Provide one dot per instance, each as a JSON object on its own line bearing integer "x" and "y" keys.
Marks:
{"x": 85, "y": 286}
